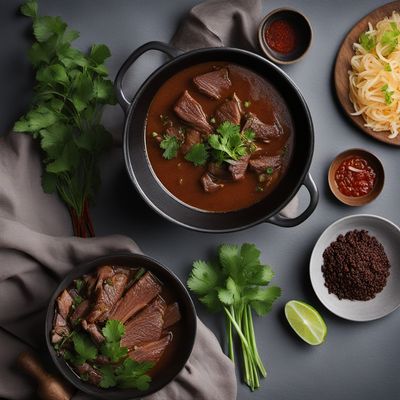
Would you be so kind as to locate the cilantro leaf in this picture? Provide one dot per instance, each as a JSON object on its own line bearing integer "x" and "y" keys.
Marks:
{"x": 262, "y": 299}
{"x": 45, "y": 27}
{"x": 30, "y": 8}
{"x": 132, "y": 374}
{"x": 367, "y": 41}
{"x": 170, "y": 145}
{"x": 113, "y": 351}
{"x": 107, "y": 377}
{"x": 203, "y": 278}
{"x": 198, "y": 154}
{"x": 84, "y": 347}
{"x": 113, "y": 330}
{"x": 99, "y": 53}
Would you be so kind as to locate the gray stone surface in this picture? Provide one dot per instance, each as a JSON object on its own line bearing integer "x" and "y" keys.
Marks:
{"x": 359, "y": 361}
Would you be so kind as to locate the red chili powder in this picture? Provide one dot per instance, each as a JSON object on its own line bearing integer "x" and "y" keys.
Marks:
{"x": 281, "y": 36}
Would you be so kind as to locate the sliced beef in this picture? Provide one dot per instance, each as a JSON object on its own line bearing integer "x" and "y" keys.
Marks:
{"x": 93, "y": 331}
{"x": 209, "y": 184}
{"x": 238, "y": 168}
{"x": 109, "y": 289}
{"x": 190, "y": 111}
{"x": 64, "y": 303}
{"x": 146, "y": 326}
{"x": 151, "y": 351}
{"x": 60, "y": 328}
{"x": 214, "y": 83}
{"x": 89, "y": 373}
{"x": 262, "y": 163}
{"x": 172, "y": 315}
{"x": 192, "y": 137}
{"x": 230, "y": 110}
{"x": 263, "y": 132}
{"x": 137, "y": 297}
{"x": 219, "y": 171}
{"x": 80, "y": 311}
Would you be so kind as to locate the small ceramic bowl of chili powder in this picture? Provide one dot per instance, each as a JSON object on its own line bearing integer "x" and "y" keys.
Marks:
{"x": 284, "y": 35}
{"x": 356, "y": 177}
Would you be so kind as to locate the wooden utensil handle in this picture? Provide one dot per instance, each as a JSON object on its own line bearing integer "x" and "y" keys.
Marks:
{"x": 32, "y": 366}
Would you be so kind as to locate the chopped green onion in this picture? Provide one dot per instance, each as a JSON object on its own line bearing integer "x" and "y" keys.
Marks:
{"x": 269, "y": 170}
{"x": 388, "y": 67}
{"x": 154, "y": 134}
{"x": 247, "y": 104}
{"x": 212, "y": 120}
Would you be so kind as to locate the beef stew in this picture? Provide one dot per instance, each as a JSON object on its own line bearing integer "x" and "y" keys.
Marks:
{"x": 191, "y": 116}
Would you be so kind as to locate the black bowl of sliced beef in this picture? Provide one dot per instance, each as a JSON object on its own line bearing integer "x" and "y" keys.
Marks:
{"x": 218, "y": 139}
{"x": 120, "y": 327}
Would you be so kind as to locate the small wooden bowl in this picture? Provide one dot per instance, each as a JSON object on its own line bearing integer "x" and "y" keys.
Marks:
{"x": 376, "y": 166}
{"x": 303, "y": 31}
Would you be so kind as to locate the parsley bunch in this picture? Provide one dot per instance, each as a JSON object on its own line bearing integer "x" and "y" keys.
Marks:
{"x": 237, "y": 285}
{"x": 123, "y": 372}
{"x": 71, "y": 90}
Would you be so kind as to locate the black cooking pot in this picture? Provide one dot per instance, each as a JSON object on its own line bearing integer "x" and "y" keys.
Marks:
{"x": 152, "y": 191}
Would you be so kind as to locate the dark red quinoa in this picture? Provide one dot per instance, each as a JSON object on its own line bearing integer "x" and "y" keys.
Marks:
{"x": 355, "y": 266}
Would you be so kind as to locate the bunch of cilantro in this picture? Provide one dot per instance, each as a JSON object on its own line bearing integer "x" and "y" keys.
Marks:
{"x": 227, "y": 144}
{"x": 70, "y": 92}
{"x": 122, "y": 372}
{"x": 236, "y": 285}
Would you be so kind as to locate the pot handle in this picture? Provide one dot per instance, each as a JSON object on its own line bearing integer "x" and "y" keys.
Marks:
{"x": 289, "y": 222}
{"x": 170, "y": 51}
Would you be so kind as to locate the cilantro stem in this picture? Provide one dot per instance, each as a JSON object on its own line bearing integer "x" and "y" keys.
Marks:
{"x": 253, "y": 343}
{"x": 231, "y": 352}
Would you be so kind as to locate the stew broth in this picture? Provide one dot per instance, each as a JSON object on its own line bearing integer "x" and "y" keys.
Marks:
{"x": 182, "y": 178}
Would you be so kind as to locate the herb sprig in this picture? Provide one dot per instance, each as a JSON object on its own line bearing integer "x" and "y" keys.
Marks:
{"x": 237, "y": 285}
{"x": 71, "y": 90}
{"x": 122, "y": 372}
{"x": 226, "y": 145}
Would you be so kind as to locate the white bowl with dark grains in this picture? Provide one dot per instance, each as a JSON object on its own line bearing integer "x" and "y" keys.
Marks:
{"x": 386, "y": 301}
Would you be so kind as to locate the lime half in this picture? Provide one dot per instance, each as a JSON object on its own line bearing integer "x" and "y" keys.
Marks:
{"x": 306, "y": 322}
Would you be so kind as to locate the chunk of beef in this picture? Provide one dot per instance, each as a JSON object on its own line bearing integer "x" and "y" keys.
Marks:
{"x": 238, "y": 168}
{"x": 102, "y": 360}
{"x": 214, "y": 83}
{"x": 190, "y": 111}
{"x": 230, "y": 110}
{"x": 137, "y": 297}
{"x": 146, "y": 326}
{"x": 262, "y": 163}
{"x": 219, "y": 171}
{"x": 109, "y": 288}
{"x": 64, "y": 303}
{"x": 263, "y": 132}
{"x": 172, "y": 315}
{"x": 209, "y": 184}
{"x": 93, "y": 331}
{"x": 89, "y": 373}
{"x": 151, "y": 351}
{"x": 60, "y": 328}
{"x": 192, "y": 137}
{"x": 80, "y": 311}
